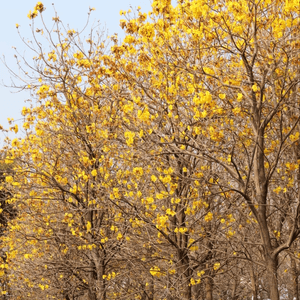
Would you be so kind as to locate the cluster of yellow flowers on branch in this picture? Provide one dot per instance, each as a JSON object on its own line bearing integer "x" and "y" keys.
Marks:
{"x": 39, "y": 8}
{"x": 162, "y": 164}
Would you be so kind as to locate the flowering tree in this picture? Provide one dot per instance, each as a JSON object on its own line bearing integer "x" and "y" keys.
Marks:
{"x": 164, "y": 165}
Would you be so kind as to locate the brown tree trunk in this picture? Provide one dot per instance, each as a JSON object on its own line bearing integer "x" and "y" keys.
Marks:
{"x": 253, "y": 283}
{"x": 188, "y": 287}
{"x": 208, "y": 279}
{"x": 208, "y": 286}
{"x": 183, "y": 257}
{"x": 97, "y": 277}
{"x": 102, "y": 292}
{"x": 271, "y": 265}
{"x": 184, "y": 270}
{"x": 295, "y": 282}
{"x": 233, "y": 292}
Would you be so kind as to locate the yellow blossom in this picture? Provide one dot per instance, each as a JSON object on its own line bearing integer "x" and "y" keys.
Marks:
{"x": 208, "y": 217}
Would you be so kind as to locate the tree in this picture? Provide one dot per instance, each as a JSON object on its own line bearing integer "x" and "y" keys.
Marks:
{"x": 171, "y": 157}
{"x": 7, "y": 213}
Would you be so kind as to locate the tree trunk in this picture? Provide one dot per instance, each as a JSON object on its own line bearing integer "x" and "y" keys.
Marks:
{"x": 99, "y": 286}
{"x": 102, "y": 292}
{"x": 295, "y": 282}
{"x": 208, "y": 289}
{"x": 253, "y": 283}
{"x": 208, "y": 279}
{"x": 233, "y": 292}
{"x": 188, "y": 287}
{"x": 271, "y": 265}
{"x": 208, "y": 286}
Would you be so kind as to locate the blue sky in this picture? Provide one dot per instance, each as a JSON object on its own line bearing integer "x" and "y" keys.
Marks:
{"x": 72, "y": 12}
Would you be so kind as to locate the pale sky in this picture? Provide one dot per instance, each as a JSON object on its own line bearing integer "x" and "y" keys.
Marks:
{"x": 72, "y": 12}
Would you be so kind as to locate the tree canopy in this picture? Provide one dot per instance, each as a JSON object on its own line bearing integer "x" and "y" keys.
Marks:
{"x": 164, "y": 165}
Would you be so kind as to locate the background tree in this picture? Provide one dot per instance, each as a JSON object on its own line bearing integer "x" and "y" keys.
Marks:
{"x": 7, "y": 213}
